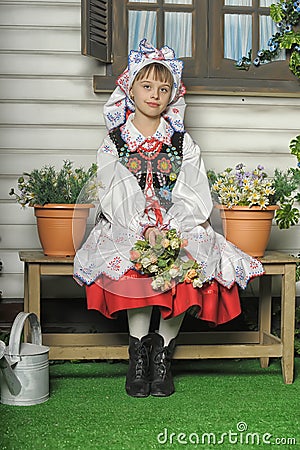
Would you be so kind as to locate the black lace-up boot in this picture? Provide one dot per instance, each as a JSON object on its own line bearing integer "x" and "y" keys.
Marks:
{"x": 137, "y": 378}
{"x": 160, "y": 363}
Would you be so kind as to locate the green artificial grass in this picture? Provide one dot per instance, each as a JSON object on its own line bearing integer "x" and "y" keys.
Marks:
{"x": 89, "y": 409}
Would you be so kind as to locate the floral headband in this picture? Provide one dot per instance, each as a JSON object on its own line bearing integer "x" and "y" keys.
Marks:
{"x": 119, "y": 104}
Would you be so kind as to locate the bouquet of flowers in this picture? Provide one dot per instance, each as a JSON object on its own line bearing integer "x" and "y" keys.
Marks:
{"x": 166, "y": 261}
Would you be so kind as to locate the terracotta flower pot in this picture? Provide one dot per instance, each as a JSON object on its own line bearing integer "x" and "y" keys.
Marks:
{"x": 248, "y": 228}
{"x": 61, "y": 227}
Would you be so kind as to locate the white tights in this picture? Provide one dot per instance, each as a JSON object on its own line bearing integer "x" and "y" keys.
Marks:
{"x": 139, "y": 324}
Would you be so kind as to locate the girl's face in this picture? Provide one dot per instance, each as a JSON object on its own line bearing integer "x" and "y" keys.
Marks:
{"x": 151, "y": 96}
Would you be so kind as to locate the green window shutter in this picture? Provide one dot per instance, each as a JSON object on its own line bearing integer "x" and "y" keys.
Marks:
{"x": 96, "y": 24}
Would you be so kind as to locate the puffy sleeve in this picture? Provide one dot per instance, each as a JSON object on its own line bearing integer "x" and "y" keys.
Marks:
{"x": 192, "y": 202}
{"x": 121, "y": 199}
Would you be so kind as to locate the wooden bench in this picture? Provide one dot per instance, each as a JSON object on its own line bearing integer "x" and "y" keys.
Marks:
{"x": 260, "y": 344}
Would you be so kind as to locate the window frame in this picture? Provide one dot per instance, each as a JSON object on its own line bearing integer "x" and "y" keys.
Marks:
{"x": 218, "y": 63}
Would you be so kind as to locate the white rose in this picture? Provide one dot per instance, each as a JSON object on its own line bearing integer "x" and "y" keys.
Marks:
{"x": 145, "y": 261}
{"x": 197, "y": 283}
{"x": 174, "y": 272}
{"x": 175, "y": 243}
{"x": 157, "y": 283}
{"x": 153, "y": 268}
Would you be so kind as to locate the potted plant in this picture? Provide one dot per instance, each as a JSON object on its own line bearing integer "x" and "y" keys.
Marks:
{"x": 248, "y": 200}
{"x": 61, "y": 201}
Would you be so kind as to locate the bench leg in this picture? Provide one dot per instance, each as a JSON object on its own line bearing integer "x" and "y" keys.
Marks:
{"x": 26, "y": 301}
{"x": 32, "y": 293}
{"x": 288, "y": 322}
{"x": 264, "y": 312}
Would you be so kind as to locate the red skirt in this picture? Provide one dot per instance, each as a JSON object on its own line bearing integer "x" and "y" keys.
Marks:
{"x": 213, "y": 302}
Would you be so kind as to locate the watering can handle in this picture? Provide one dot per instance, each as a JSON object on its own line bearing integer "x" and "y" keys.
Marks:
{"x": 16, "y": 331}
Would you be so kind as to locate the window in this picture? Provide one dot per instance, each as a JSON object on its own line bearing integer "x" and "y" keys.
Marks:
{"x": 209, "y": 35}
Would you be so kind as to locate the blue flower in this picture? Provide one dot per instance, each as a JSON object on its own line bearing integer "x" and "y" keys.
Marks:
{"x": 288, "y": 28}
{"x": 297, "y": 6}
{"x": 284, "y": 6}
{"x": 260, "y": 53}
{"x": 239, "y": 166}
{"x": 165, "y": 192}
{"x": 256, "y": 62}
{"x": 274, "y": 47}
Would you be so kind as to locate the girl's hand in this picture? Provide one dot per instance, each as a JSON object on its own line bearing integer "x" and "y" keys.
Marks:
{"x": 151, "y": 234}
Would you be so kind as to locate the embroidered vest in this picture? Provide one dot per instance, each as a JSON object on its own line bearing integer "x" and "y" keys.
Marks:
{"x": 165, "y": 165}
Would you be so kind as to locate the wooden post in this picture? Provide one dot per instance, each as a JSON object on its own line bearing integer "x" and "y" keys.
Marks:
{"x": 288, "y": 323}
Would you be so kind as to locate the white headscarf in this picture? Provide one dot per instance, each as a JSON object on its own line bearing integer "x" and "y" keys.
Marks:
{"x": 116, "y": 108}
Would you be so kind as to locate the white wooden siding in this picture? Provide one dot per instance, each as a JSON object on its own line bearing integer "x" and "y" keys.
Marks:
{"x": 49, "y": 113}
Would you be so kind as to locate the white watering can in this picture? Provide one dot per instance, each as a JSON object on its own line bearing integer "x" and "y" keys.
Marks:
{"x": 24, "y": 367}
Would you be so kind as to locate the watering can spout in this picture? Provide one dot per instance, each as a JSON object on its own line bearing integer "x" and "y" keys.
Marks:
{"x": 12, "y": 381}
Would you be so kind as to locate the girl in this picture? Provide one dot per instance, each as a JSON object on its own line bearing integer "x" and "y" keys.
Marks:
{"x": 152, "y": 178}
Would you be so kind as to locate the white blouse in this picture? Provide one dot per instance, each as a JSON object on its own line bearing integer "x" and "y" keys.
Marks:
{"x": 123, "y": 204}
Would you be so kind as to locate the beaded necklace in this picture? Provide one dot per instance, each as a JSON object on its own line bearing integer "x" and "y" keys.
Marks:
{"x": 151, "y": 150}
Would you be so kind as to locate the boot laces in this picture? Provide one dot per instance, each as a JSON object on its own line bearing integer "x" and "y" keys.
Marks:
{"x": 141, "y": 362}
{"x": 161, "y": 361}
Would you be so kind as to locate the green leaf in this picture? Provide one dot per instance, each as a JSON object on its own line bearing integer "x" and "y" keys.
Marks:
{"x": 288, "y": 39}
{"x": 141, "y": 243}
{"x": 294, "y": 65}
{"x": 295, "y": 143}
{"x": 162, "y": 263}
{"x": 287, "y": 216}
{"x": 188, "y": 264}
{"x": 276, "y": 12}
